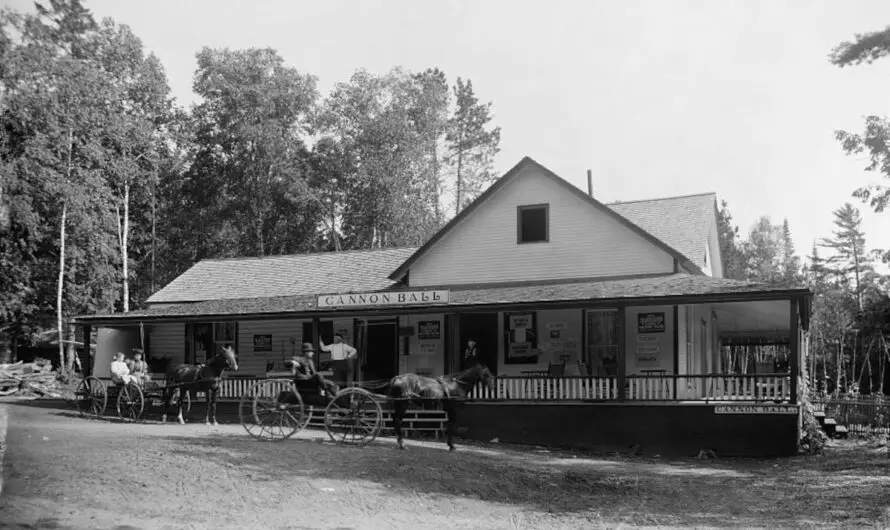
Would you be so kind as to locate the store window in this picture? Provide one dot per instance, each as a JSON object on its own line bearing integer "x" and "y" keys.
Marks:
{"x": 206, "y": 339}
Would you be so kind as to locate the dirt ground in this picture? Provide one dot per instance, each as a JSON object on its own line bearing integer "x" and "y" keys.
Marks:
{"x": 63, "y": 471}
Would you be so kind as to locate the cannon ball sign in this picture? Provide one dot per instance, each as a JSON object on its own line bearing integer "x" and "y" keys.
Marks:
{"x": 383, "y": 299}
{"x": 650, "y": 323}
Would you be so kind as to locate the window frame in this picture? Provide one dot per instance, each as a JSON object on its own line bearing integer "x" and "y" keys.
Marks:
{"x": 525, "y": 207}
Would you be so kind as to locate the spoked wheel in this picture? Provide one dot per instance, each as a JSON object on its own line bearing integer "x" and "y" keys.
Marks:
{"x": 91, "y": 396}
{"x": 130, "y": 402}
{"x": 272, "y": 410}
{"x": 353, "y": 417}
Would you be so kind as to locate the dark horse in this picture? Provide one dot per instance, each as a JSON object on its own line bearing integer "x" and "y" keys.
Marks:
{"x": 410, "y": 388}
{"x": 201, "y": 378}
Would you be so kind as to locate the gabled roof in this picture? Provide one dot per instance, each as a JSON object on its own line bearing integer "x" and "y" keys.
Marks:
{"x": 526, "y": 162}
{"x": 682, "y": 222}
{"x": 664, "y": 289}
{"x": 291, "y": 275}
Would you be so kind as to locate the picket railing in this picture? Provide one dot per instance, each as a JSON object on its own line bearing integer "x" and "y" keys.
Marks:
{"x": 711, "y": 387}
{"x": 532, "y": 388}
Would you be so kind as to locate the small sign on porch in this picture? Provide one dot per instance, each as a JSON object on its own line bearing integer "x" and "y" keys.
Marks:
{"x": 755, "y": 409}
{"x": 650, "y": 323}
{"x": 428, "y": 348}
{"x": 647, "y": 338}
{"x": 262, "y": 343}
{"x": 429, "y": 329}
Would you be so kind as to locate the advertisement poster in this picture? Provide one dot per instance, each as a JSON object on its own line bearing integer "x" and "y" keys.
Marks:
{"x": 262, "y": 343}
{"x": 647, "y": 356}
{"x": 521, "y": 336}
{"x": 427, "y": 348}
{"x": 429, "y": 329}
{"x": 650, "y": 323}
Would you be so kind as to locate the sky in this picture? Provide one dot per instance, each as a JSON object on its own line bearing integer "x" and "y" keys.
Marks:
{"x": 658, "y": 98}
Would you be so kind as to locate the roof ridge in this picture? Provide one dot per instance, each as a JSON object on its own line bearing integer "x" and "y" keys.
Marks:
{"x": 714, "y": 193}
{"x": 324, "y": 253}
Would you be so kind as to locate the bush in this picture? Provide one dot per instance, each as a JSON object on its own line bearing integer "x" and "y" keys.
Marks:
{"x": 813, "y": 438}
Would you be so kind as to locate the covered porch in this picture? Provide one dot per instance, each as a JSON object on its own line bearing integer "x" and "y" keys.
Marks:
{"x": 738, "y": 351}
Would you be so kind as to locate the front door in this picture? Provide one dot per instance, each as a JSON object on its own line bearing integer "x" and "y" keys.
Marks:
{"x": 382, "y": 350}
{"x": 483, "y": 328}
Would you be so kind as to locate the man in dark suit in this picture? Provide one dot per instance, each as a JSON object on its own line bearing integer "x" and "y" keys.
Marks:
{"x": 306, "y": 377}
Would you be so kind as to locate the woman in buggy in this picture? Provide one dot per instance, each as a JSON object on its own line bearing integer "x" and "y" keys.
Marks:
{"x": 312, "y": 386}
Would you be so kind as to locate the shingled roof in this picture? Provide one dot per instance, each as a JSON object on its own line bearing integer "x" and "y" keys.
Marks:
{"x": 665, "y": 288}
{"x": 277, "y": 276}
{"x": 684, "y": 222}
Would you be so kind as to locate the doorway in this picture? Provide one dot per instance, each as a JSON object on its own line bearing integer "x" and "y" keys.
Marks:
{"x": 381, "y": 355}
{"x": 483, "y": 327}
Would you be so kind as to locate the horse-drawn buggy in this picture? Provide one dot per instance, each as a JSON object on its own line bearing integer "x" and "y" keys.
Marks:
{"x": 93, "y": 396}
{"x": 276, "y": 409}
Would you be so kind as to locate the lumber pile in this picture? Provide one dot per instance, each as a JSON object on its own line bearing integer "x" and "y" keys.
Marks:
{"x": 34, "y": 378}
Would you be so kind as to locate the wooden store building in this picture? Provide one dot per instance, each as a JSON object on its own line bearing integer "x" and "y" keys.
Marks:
{"x": 607, "y": 325}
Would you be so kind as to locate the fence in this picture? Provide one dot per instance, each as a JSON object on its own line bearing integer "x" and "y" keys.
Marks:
{"x": 861, "y": 415}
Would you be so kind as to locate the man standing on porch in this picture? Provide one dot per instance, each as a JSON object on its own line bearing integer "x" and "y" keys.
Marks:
{"x": 342, "y": 358}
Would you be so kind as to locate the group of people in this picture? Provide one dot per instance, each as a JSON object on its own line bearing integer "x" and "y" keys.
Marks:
{"x": 126, "y": 371}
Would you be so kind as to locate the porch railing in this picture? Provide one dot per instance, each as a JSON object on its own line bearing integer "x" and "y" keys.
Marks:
{"x": 710, "y": 387}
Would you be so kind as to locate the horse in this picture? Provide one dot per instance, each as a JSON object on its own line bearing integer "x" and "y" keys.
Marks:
{"x": 411, "y": 388}
{"x": 201, "y": 378}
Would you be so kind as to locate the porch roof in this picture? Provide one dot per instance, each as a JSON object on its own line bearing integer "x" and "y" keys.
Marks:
{"x": 648, "y": 290}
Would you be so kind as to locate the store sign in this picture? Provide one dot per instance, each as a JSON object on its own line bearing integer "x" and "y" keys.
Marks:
{"x": 650, "y": 323}
{"x": 401, "y": 298}
{"x": 755, "y": 409}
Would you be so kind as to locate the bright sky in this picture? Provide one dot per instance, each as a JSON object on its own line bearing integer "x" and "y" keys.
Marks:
{"x": 658, "y": 97}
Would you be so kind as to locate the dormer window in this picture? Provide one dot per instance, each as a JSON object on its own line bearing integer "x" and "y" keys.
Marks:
{"x": 533, "y": 223}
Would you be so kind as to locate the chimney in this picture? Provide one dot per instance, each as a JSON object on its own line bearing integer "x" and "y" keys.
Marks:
{"x": 590, "y": 182}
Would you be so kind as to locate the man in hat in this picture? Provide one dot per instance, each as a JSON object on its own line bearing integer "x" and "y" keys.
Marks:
{"x": 342, "y": 358}
{"x": 140, "y": 367}
{"x": 305, "y": 374}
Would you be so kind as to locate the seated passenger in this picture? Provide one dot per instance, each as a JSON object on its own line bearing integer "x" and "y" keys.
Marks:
{"x": 120, "y": 372}
{"x": 303, "y": 369}
{"x": 140, "y": 367}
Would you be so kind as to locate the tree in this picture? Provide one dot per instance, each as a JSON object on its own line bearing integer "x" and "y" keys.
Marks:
{"x": 791, "y": 266}
{"x": 247, "y": 176}
{"x": 388, "y": 125}
{"x": 763, "y": 250}
{"x": 850, "y": 260}
{"x": 875, "y": 140}
{"x": 730, "y": 251}
{"x": 471, "y": 147}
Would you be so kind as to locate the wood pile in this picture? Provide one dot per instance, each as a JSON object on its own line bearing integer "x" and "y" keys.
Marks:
{"x": 34, "y": 378}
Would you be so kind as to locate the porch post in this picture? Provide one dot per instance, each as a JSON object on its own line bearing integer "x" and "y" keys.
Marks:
{"x": 316, "y": 323}
{"x": 622, "y": 356}
{"x": 676, "y": 349}
{"x": 794, "y": 340}
{"x": 88, "y": 360}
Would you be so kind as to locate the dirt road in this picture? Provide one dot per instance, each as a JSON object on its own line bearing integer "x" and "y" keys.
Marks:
{"x": 62, "y": 471}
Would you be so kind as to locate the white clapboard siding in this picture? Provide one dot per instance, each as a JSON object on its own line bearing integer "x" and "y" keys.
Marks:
{"x": 168, "y": 340}
{"x": 584, "y": 241}
{"x": 287, "y": 334}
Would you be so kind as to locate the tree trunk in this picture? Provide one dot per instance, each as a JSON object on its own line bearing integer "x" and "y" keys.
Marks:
{"x": 458, "y": 182}
{"x": 61, "y": 285}
{"x": 70, "y": 348}
{"x": 154, "y": 239}
{"x": 125, "y": 236}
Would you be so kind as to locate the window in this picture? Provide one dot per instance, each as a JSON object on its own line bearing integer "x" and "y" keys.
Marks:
{"x": 206, "y": 339}
{"x": 533, "y": 223}
{"x": 602, "y": 342}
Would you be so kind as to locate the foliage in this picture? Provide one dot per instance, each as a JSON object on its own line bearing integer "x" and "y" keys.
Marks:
{"x": 875, "y": 139}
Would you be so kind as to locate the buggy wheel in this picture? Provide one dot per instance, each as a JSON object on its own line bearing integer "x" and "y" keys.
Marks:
{"x": 130, "y": 402}
{"x": 353, "y": 417}
{"x": 272, "y": 410}
{"x": 91, "y": 396}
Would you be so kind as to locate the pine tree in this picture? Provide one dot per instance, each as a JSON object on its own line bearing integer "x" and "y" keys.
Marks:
{"x": 471, "y": 148}
{"x": 850, "y": 261}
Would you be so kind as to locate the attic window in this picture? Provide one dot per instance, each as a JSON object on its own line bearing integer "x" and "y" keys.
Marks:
{"x": 533, "y": 223}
